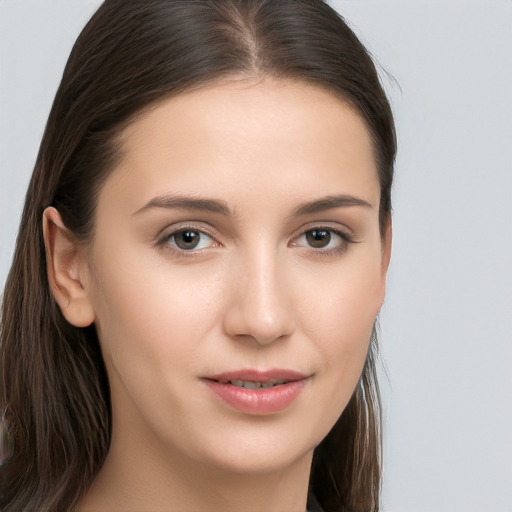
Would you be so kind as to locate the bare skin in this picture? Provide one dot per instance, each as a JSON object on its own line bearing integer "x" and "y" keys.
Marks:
{"x": 240, "y": 230}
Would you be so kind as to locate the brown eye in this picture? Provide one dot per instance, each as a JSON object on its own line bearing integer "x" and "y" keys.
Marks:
{"x": 187, "y": 239}
{"x": 318, "y": 238}
{"x": 323, "y": 240}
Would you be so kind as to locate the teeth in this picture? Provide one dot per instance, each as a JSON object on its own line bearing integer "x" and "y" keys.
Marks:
{"x": 256, "y": 385}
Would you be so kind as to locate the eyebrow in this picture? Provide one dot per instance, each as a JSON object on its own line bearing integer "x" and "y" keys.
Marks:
{"x": 221, "y": 207}
{"x": 330, "y": 202}
{"x": 187, "y": 202}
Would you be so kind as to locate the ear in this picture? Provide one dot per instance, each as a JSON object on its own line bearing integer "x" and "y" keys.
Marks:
{"x": 385, "y": 257}
{"x": 386, "y": 245}
{"x": 65, "y": 269}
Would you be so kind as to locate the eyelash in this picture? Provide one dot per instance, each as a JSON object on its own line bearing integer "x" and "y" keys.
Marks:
{"x": 166, "y": 241}
{"x": 345, "y": 240}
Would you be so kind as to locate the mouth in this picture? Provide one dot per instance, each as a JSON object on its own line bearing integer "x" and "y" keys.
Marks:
{"x": 249, "y": 384}
{"x": 257, "y": 392}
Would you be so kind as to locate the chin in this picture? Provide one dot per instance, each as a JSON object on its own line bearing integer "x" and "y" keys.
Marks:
{"x": 261, "y": 462}
{"x": 263, "y": 449}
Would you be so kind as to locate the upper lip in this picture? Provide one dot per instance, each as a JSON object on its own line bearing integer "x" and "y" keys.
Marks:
{"x": 254, "y": 375}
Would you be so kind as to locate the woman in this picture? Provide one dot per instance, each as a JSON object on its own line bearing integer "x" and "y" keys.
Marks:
{"x": 189, "y": 320}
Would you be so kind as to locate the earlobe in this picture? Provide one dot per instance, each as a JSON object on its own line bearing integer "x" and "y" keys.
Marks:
{"x": 64, "y": 264}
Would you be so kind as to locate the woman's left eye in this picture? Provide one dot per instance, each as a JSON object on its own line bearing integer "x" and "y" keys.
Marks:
{"x": 323, "y": 239}
{"x": 189, "y": 240}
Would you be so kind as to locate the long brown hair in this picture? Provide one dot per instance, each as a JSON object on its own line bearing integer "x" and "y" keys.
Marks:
{"x": 131, "y": 55}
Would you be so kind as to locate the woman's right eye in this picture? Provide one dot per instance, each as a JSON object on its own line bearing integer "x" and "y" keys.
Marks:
{"x": 189, "y": 240}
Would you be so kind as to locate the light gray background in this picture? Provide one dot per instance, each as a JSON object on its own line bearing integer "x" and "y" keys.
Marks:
{"x": 446, "y": 325}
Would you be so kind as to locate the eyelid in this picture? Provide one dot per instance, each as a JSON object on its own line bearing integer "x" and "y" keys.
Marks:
{"x": 335, "y": 227}
{"x": 165, "y": 234}
{"x": 345, "y": 234}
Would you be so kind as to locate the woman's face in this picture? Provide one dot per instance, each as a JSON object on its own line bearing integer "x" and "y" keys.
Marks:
{"x": 237, "y": 246}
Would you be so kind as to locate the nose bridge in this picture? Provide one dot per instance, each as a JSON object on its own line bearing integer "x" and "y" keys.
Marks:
{"x": 261, "y": 307}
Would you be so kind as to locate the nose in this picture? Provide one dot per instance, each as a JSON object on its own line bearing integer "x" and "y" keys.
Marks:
{"x": 260, "y": 307}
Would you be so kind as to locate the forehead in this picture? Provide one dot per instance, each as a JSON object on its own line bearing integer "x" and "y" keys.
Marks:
{"x": 239, "y": 136}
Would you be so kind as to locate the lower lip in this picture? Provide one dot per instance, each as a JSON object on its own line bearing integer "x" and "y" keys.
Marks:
{"x": 258, "y": 401}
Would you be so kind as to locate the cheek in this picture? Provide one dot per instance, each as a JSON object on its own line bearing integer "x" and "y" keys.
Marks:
{"x": 153, "y": 314}
{"x": 343, "y": 301}
{"x": 339, "y": 317}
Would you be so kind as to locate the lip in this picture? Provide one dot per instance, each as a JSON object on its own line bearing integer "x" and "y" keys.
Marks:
{"x": 259, "y": 375}
{"x": 257, "y": 401}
